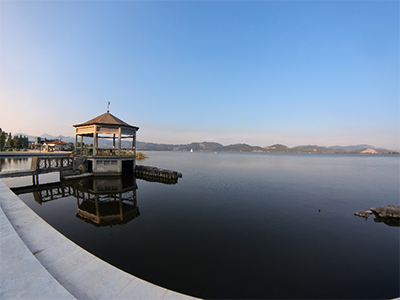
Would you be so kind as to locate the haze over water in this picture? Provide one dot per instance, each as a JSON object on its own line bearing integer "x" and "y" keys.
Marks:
{"x": 252, "y": 225}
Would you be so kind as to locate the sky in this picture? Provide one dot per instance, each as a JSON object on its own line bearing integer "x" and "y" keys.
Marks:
{"x": 255, "y": 72}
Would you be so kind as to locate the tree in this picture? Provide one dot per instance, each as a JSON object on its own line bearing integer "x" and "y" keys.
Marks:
{"x": 19, "y": 142}
{"x": 3, "y": 138}
{"x": 24, "y": 142}
{"x": 16, "y": 142}
{"x": 9, "y": 140}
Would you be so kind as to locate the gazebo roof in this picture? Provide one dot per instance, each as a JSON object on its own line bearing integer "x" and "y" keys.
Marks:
{"x": 106, "y": 119}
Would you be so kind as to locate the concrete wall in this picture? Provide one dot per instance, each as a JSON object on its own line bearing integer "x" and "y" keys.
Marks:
{"x": 107, "y": 165}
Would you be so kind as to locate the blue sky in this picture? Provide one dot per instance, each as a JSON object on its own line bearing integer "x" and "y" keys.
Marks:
{"x": 255, "y": 72}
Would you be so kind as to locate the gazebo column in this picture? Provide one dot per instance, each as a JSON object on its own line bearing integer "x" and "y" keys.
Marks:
{"x": 134, "y": 150}
{"x": 82, "y": 144}
{"x": 113, "y": 144}
{"x": 76, "y": 142}
{"x": 119, "y": 141}
{"x": 95, "y": 141}
{"x": 134, "y": 145}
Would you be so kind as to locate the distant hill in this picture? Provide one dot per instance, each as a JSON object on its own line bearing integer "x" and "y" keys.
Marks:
{"x": 357, "y": 148}
{"x": 277, "y": 148}
{"x": 311, "y": 149}
{"x": 241, "y": 148}
{"x": 217, "y": 147}
{"x": 153, "y": 146}
{"x": 337, "y": 149}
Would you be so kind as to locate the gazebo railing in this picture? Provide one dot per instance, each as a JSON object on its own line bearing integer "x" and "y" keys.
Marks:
{"x": 104, "y": 152}
{"x": 114, "y": 152}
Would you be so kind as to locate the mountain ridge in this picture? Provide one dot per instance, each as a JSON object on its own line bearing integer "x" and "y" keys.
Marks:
{"x": 239, "y": 147}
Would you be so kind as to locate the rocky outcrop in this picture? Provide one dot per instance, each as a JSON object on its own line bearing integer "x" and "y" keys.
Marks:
{"x": 391, "y": 211}
{"x": 363, "y": 213}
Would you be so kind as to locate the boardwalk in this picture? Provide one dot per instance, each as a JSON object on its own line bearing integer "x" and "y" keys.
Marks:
{"x": 42, "y": 165}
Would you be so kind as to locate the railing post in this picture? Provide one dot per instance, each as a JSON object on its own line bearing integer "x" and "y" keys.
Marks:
{"x": 34, "y": 163}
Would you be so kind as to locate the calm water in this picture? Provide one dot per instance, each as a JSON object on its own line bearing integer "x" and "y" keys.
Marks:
{"x": 244, "y": 225}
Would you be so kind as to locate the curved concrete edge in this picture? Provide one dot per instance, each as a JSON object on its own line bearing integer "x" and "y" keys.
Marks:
{"x": 38, "y": 262}
{"x": 22, "y": 276}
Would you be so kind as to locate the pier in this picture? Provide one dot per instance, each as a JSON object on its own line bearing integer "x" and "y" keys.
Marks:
{"x": 42, "y": 165}
{"x": 67, "y": 166}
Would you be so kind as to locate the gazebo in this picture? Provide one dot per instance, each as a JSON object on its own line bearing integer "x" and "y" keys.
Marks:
{"x": 111, "y": 160}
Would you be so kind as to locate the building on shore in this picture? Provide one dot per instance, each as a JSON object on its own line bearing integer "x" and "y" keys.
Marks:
{"x": 57, "y": 145}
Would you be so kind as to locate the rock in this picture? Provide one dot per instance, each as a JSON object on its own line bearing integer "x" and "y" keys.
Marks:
{"x": 391, "y": 211}
{"x": 363, "y": 213}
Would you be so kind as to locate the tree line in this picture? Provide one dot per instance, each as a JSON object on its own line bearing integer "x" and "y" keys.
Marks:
{"x": 15, "y": 142}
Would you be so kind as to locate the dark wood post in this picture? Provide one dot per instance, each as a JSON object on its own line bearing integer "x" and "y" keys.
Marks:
{"x": 119, "y": 141}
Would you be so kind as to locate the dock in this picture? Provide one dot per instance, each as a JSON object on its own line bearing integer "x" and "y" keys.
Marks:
{"x": 65, "y": 165}
{"x": 42, "y": 165}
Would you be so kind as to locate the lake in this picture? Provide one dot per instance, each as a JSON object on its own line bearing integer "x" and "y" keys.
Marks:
{"x": 240, "y": 225}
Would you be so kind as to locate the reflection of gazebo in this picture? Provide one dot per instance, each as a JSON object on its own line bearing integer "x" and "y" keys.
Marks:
{"x": 108, "y": 201}
{"x": 107, "y": 161}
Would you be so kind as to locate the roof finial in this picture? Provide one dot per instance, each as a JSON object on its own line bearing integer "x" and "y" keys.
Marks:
{"x": 108, "y": 106}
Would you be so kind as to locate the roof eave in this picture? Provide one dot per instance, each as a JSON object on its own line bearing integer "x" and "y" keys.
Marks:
{"x": 115, "y": 125}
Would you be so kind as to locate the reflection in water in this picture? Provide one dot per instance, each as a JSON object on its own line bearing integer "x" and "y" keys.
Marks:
{"x": 107, "y": 201}
{"x": 13, "y": 164}
{"x": 49, "y": 192}
{"x": 393, "y": 222}
{"x": 101, "y": 201}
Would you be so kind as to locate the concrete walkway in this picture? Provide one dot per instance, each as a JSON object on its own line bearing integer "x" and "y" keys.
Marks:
{"x": 37, "y": 262}
{"x": 31, "y": 153}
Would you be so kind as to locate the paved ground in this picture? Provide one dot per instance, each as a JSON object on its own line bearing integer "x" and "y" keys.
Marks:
{"x": 37, "y": 262}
